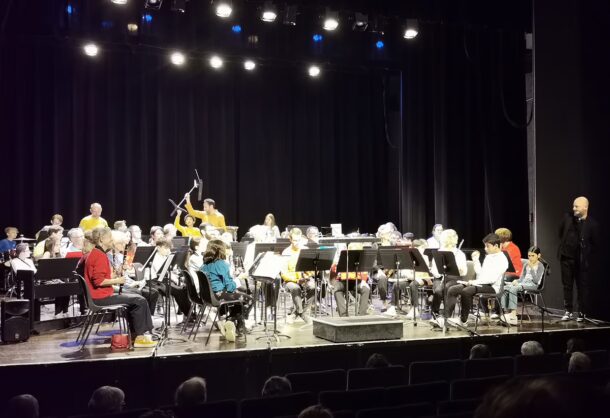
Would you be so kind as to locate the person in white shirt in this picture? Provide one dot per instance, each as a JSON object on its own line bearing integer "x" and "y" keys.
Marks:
{"x": 22, "y": 261}
{"x": 449, "y": 240}
{"x": 136, "y": 236}
{"x": 489, "y": 278}
{"x": 435, "y": 240}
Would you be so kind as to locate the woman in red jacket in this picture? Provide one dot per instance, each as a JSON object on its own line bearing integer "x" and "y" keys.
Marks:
{"x": 100, "y": 279}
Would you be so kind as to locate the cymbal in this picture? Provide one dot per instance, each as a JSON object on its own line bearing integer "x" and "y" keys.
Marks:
{"x": 25, "y": 239}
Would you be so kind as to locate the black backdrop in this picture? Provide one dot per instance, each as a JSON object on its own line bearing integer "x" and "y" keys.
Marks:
{"x": 127, "y": 130}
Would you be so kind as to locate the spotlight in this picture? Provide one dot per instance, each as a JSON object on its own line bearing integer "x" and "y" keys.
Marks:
{"x": 153, "y": 4}
{"x": 269, "y": 12}
{"x": 331, "y": 20}
{"x": 216, "y": 62}
{"x": 224, "y": 9}
{"x": 69, "y": 9}
{"x": 236, "y": 28}
{"x": 147, "y": 18}
{"x": 361, "y": 22}
{"x": 290, "y": 16}
{"x": 177, "y": 58}
{"x": 119, "y": 1}
{"x": 249, "y": 65}
{"x": 132, "y": 28}
{"x": 90, "y": 49}
{"x": 179, "y": 6}
{"x": 379, "y": 44}
{"x": 314, "y": 71}
{"x": 411, "y": 29}
{"x": 317, "y": 38}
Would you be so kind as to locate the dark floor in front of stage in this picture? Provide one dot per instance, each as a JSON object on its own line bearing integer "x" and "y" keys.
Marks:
{"x": 54, "y": 347}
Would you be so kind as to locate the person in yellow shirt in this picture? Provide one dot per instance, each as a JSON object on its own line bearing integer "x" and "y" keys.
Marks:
{"x": 298, "y": 284}
{"x": 209, "y": 214}
{"x": 189, "y": 230}
{"x": 95, "y": 220}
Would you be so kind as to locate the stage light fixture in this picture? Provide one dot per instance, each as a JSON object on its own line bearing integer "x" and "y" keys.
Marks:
{"x": 249, "y": 65}
{"x": 153, "y": 4}
{"x": 179, "y": 6}
{"x": 69, "y": 9}
{"x": 216, "y": 62}
{"x": 269, "y": 13}
{"x": 290, "y": 16}
{"x": 224, "y": 9}
{"x": 121, "y": 2}
{"x": 314, "y": 71}
{"x": 317, "y": 37}
{"x": 132, "y": 28}
{"x": 411, "y": 29}
{"x": 331, "y": 20}
{"x": 90, "y": 49}
{"x": 236, "y": 28}
{"x": 379, "y": 44}
{"x": 147, "y": 18}
{"x": 361, "y": 22}
{"x": 177, "y": 58}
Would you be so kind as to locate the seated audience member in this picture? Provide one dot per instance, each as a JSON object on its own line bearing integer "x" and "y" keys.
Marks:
{"x": 22, "y": 261}
{"x": 543, "y": 397}
{"x": 531, "y": 348}
{"x": 489, "y": 279}
{"x": 377, "y": 361}
{"x": 190, "y": 230}
{"x": 191, "y": 392}
{"x": 315, "y": 411}
{"x": 575, "y": 344}
{"x": 579, "y": 362}
{"x": 106, "y": 400}
{"x": 22, "y": 406}
{"x": 9, "y": 242}
{"x": 479, "y": 351}
{"x": 218, "y": 271}
{"x": 531, "y": 275}
{"x": 100, "y": 280}
{"x": 276, "y": 386}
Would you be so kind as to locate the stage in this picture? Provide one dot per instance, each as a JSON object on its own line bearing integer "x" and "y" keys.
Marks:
{"x": 45, "y": 366}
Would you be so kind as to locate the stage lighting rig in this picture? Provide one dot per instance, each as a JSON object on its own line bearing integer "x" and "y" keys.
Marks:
{"x": 361, "y": 22}
{"x": 153, "y": 4}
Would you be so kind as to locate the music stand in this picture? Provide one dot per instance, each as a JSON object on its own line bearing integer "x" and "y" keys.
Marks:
{"x": 316, "y": 260}
{"x": 398, "y": 258}
{"x": 147, "y": 254}
{"x": 143, "y": 253}
{"x": 266, "y": 268}
{"x": 56, "y": 268}
{"x": 165, "y": 278}
{"x": 179, "y": 242}
{"x": 239, "y": 249}
{"x": 355, "y": 261}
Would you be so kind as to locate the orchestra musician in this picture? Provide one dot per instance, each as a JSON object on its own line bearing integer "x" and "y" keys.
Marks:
{"x": 189, "y": 230}
{"x": 136, "y": 236}
{"x": 56, "y": 220}
{"x": 272, "y": 230}
{"x": 93, "y": 220}
{"x": 156, "y": 233}
{"x": 100, "y": 279}
{"x": 356, "y": 280}
{"x": 435, "y": 240}
{"x": 209, "y": 214}
{"x": 298, "y": 284}
{"x": 22, "y": 260}
{"x": 9, "y": 242}
{"x": 55, "y": 234}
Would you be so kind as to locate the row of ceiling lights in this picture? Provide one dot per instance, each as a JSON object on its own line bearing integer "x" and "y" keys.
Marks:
{"x": 269, "y": 13}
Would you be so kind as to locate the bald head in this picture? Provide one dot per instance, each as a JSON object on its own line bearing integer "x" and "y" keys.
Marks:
{"x": 96, "y": 210}
{"x": 581, "y": 207}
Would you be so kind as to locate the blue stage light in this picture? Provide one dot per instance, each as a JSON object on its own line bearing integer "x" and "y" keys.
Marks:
{"x": 317, "y": 38}
{"x": 69, "y": 9}
{"x": 236, "y": 28}
{"x": 147, "y": 18}
{"x": 107, "y": 24}
{"x": 379, "y": 44}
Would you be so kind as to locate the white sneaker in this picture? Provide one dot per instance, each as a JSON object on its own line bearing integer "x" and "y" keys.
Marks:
{"x": 391, "y": 311}
{"x": 229, "y": 331}
{"x": 568, "y": 316}
{"x": 220, "y": 324}
{"x": 457, "y": 322}
{"x": 410, "y": 314}
{"x": 494, "y": 316}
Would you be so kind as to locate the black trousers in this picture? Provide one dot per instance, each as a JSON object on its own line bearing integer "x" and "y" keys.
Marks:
{"x": 139, "y": 315}
{"x": 235, "y": 311}
{"x": 466, "y": 293}
{"x": 180, "y": 294}
{"x": 439, "y": 292}
{"x": 571, "y": 272}
{"x": 151, "y": 296}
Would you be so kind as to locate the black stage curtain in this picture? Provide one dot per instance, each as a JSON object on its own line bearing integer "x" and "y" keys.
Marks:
{"x": 127, "y": 129}
{"x": 465, "y": 163}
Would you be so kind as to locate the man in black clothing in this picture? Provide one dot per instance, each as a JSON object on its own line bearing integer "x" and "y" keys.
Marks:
{"x": 579, "y": 235}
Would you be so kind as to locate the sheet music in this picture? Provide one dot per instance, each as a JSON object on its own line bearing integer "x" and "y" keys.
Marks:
{"x": 269, "y": 265}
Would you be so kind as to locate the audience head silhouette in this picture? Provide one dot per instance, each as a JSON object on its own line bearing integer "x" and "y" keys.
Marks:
{"x": 22, "y": 406}
{"x": 532, "y": 348}
{"x": 192, "y": 391}
{"x": 377, "y": 360}
{"x": 315, "y": 411}
{"x": 276, "y": 386}
{"x": 106, "y": 400}
{"x": 479, "y": 351}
